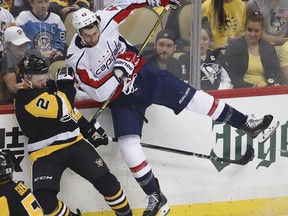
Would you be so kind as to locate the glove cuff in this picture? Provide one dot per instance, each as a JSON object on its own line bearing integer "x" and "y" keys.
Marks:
{"x": 119, "y": 74}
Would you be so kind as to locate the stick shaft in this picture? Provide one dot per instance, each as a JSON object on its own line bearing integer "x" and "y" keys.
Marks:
{"x": 104, "y": 105}
{"x": 244, "y": 160}
{"x": 153, "y": 30}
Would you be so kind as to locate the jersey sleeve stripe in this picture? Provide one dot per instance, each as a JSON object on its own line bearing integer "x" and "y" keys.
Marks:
{"x": 84, "y": 77}
{"x": 119, "y": 17}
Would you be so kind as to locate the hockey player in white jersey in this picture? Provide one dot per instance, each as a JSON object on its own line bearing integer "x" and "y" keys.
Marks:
{"x": 102, "y": 58}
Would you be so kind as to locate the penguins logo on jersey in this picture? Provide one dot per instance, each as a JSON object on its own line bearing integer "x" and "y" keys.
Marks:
{"x": 99, "y": 162}
{"x": 210, "y": 71}
{"x": 43, "y": 40}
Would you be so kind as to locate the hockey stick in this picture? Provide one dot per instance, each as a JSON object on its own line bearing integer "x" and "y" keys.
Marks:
{"x": 248, "y": 156}
{"x": 104, "y": 105}
{"x": 153, "y": 30}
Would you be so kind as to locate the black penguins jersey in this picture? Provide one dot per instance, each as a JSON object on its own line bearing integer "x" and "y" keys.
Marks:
{"x": 214, "y": 71}
{"x": 17, "y": 200}
{"x": 39, "y": 112}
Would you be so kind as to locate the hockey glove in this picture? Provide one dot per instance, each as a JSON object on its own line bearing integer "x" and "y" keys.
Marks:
{"x": 95, "y": 134}
{"x": 124, "y": 65}
{"x": 158, "y": 3}
{"x": 64, "y": 75}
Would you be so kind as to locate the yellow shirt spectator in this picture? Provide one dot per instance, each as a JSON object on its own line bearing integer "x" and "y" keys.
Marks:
{"x": 234, "y": 12}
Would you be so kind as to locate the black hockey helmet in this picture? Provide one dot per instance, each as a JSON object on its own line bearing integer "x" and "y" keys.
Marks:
{"x": 6, "y": 166}
{"x": 32, "y": 65}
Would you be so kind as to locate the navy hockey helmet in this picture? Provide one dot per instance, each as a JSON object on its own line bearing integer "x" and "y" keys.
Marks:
{"x": 6, "y": 166}
{"x": 33, "y": 65}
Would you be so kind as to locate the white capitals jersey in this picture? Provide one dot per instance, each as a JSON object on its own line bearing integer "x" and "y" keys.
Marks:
{"x": 93, "y": 66}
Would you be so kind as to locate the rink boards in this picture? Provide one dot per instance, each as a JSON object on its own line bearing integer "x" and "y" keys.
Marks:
{"x": 193, "y": 186}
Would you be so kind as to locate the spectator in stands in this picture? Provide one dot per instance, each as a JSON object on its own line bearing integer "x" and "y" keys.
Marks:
{"x": 15, "y": 6}
{"x": 227, "y": 19}
{"x": 253, "y": 62}
{"x": 6, "y": 20}
{"x": 162, "y": 55}
{"x": 62, "y": 8}
{"x": 213, "y": 68}
{"x": 6, "y": 4}
{"x": 275, "y": 13}
{"x": 283, "y": 58}
{"x": 15, "y": 50}
{"x": 45, "y": 30}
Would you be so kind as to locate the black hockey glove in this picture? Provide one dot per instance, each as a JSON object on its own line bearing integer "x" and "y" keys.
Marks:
{"x": 64, "y": 75}
{"x": 125, "y": 64}
{"x": 95, "y": 134}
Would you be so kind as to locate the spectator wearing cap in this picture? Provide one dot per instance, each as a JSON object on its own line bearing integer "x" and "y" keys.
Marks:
{"x": 15, "y": 50}
{"x": 162, "y": 56}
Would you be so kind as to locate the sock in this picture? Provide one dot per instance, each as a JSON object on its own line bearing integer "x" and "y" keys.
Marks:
{"x": 206, "y": 104}
{"x": 134, "y": 157}
{"x": 115, "y": 197}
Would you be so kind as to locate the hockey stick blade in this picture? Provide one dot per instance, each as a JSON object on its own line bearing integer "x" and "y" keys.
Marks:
{"x": 267, "y": 133}
{"x": 248, "y": 156}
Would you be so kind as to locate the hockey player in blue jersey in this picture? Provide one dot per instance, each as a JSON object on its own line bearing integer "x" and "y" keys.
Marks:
{"x": 102, "y": 58}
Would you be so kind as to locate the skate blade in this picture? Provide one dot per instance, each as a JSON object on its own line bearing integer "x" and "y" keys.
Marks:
{"x": 264, "y": 135}
{"x": 164, "y": 210}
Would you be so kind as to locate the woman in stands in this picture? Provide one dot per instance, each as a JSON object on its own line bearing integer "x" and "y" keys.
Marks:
{"x": 213, "y": 68}
{"x": 227, "y": 18}
{"x": 253, "y": 62}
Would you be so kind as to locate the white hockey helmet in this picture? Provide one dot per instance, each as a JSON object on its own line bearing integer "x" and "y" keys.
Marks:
{"x": 83, "y": 17}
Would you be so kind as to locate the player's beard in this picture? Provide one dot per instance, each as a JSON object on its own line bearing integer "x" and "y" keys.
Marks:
{"x": 94, "y": 43}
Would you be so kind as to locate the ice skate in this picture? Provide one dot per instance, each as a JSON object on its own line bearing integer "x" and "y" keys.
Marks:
{"x": 264, "y": 126}
{"x": 157, "y": 205}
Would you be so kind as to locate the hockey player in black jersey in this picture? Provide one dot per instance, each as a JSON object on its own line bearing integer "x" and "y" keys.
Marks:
{"x": 15, "y": 198}
{"x": 55, "y": 129}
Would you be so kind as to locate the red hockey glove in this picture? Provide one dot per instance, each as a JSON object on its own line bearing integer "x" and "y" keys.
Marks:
{"x": 125, "y": 64}
{"x": 158, "y": 3}
{"x": 95, "y": 135}
{"x": 173, "y": 3}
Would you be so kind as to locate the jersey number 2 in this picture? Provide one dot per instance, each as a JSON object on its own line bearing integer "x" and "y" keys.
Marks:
{"x": 42, "y": 103}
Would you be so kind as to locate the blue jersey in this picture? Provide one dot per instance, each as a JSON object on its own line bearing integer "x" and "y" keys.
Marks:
{"x": 46, "y": 34}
